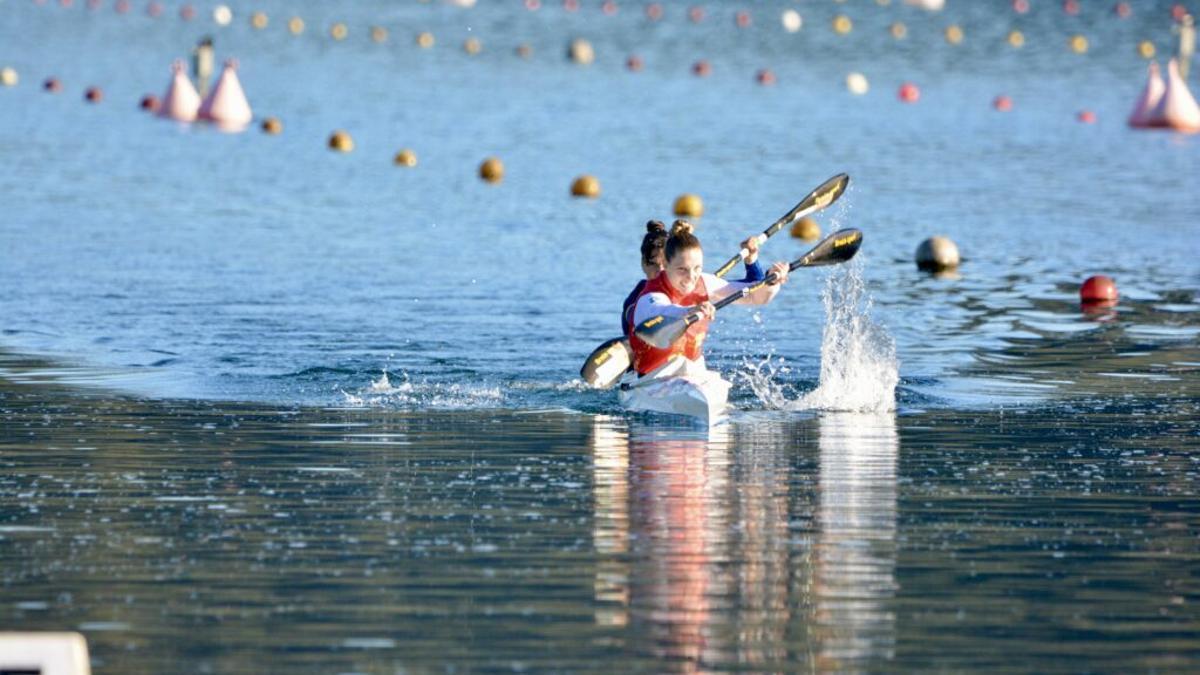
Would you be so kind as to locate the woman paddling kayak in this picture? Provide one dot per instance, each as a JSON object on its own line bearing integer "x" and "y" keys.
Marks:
{"x": 653, "y": 262}
{"x": 674, "y": 379}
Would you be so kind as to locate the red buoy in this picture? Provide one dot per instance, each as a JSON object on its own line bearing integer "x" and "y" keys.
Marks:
{"x": 909, "y": 92}
{"x": 634, "y": 63}
{"x": 609, "y": 7}
{"x": 1020, "y": 6}
{"x": 122, "y": 6}
{"x": 1098, "y": 289}
{"x": 701, "y": 68}
{"x": 696, "y": 14}
{"x": 1123, "y": 10}
{"x": 93, "y": 95}
{"x": 654, "y": 11}
{"x": 742, "y": 19}
{"x": 1086, "y": 116}
{"x": 765, "y": 77}
{"x": 52, "y": 85}
{"x": 150, "y": 103}
{"x": 1178, "y": 11}
{"x": 187, "y": 12}
{"x": 154, "y": 9}
{"x": 1002, "y": 103}
{"x": 533, "y": 5}
{"x": 1071, "y": 7}
{"x": 571, "y": 5}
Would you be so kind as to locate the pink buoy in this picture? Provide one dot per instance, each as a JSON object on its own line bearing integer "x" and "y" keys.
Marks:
{"x": 654, "y": 11}
{"x": 226, "y": 105}
{"x": 533, "y": 5}
{"x": 1143, "y": 110}
{"x": 1071, "y": 7}
{"x": 122, "y": 6}
{"x": 1176, "y": 108}
{"x": 1123, "y": 10}
{"x": 1002, "y": 103}
{"x": 571, "y": 5}
{"x": 187, "y": 12}
{"x": 1098, "y": 289}
{"x": 95, "y": 4}
{"x": 742, "y": 19}
{"x": 609, "y": 7}
{"x": 1020, "y": 6}
{"x": 1178, "y": 11}
{"x": 154, "y": 9}
{"x": 696, "y": 14}
{"x": 66, "y": 3}
{"x": 909, "y": 93}
{"x": 181, "y": 102}
{"x": 1086, "y": 117}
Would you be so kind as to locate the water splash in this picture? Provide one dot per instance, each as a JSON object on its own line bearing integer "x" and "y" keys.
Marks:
{"x": 859, "y": 369}
{"x": 382, "y": 393}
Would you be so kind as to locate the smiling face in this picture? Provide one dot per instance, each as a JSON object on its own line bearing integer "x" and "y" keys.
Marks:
{"x": 683, "y": 270}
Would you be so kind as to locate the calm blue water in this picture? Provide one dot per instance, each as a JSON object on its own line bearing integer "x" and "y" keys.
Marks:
{"x": 191, "y": 263}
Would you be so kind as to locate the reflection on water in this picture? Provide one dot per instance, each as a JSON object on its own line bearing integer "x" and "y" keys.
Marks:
{"x": 854, "y": 562}
{"x": 727, "y": 564}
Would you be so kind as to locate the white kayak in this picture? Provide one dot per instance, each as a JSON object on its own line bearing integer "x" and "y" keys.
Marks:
{"x": 679, "y": 387}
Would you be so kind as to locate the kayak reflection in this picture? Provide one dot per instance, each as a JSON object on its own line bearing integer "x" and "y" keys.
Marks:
{"x": 742, "y": 547}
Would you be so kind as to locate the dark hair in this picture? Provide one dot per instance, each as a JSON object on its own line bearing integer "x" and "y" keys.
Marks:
{"x": 653, "y": 242}
{"x": 681, "y": 239}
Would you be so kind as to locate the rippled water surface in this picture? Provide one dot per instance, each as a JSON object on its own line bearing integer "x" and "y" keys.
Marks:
{"x": 265, "y": 403}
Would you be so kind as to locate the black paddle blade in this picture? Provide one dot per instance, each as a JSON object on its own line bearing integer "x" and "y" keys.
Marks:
{"x": 836, "y": 248}
{"x": 606, "y": 365}
{"x": 661, "y": 332}
{"x": 825, "y": 194}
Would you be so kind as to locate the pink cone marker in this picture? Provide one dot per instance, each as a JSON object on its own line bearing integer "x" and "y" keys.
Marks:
{"x": 226, "y": 105}
{"x": 1141, "y": 117}
{"x": 1177, "y": 108}
{"x": 181, "y": 101}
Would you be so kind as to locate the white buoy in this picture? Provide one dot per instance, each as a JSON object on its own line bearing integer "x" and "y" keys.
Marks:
{"x": 791, "y": 20}
{"x": 857, "y": 83}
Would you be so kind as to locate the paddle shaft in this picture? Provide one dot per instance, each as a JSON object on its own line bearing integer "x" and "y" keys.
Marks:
{"x": 824, "y": 195}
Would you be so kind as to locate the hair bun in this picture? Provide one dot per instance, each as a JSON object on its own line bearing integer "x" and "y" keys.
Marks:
{"x": 655, "y": 226}
{"x": 681, "y": 227}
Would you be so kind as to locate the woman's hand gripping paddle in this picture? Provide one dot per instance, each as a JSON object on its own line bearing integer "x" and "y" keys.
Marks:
{"x": 605, "y": 365}
{"x": 837, "y": 248}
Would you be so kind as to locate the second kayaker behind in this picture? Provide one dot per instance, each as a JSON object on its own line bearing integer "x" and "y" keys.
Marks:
{"x": 681, "y": 288}
{"x": 653, "y": 262}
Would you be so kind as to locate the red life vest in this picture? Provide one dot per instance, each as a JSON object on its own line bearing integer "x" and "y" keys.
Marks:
{"x": 647, "y": 358}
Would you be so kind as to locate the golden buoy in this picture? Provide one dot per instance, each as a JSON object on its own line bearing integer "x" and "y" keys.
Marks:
{"x": 806, "y": 229}
{"x": 8, "y": 77}
{"x": 472, "y": 46}
{"x": 898, "y": 30}
{"x": 1146, "y": 49}
{"x": 272, "y": 126}
{"x": 842, "y": 24}
{"x": 1016, "y": 39}
{"x": 492, "y": 170}
{"x": 689, "y": 205}
{"x": 585, "y": 186}
{"x": 954, "y": 34}
{"x": 425, "y": 40}
{"x": 296, "y": 25}
{"x": 1079, "y": 44}
{"x": 379, "y": 34}
{"x": 341, "y": 142}
{"x": 405, "y": 157}
{"x": 258, "y": 20}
